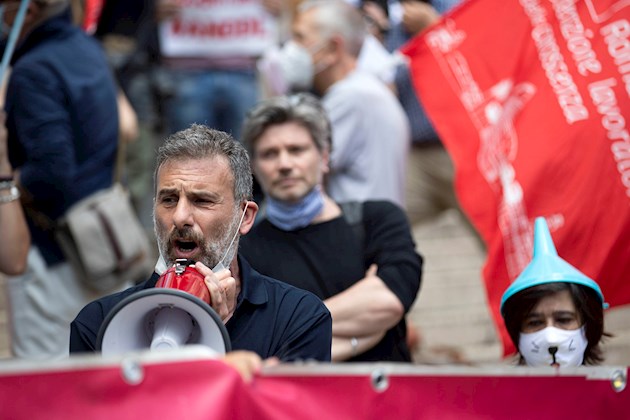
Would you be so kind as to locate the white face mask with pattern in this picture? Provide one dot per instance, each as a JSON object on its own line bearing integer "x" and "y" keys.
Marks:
{"x": 553, "y": 345}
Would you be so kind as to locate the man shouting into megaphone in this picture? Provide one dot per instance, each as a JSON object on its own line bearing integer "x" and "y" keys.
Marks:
{"x": 203, "y": 203}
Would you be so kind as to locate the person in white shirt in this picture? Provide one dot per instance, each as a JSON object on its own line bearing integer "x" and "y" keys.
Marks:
{"x": 370, "y": 130}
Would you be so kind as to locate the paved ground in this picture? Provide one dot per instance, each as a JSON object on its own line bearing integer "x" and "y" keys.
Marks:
{"x": 450, "y": 313}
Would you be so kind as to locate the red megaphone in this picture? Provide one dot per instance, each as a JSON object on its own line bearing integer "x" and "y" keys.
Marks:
{"x": 184, "y": 276}
{"x": 176, "y": 312}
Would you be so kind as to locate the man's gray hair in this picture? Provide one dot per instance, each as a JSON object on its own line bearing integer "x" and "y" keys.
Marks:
{"x": 302, "y": 108}
{"x": 337, "y": 17}
{"x": 199, "y": 142}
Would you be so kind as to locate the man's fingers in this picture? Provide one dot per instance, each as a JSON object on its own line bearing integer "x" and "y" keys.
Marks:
{"x": 229, "y": 288}
{"x": 205, "y": 271}
{"x": 202, "y": 268}
{"x": 216, "y": 291}
{"x": 245, "y": 362}
{"x": 222, "y": 288}
{"x": 271, "y": 361}
{"x": 371, "y": 271}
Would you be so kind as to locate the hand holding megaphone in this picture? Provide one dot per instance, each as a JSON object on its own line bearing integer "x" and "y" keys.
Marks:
{"x": 222, "y": 288}
{"x": 182, "y": 309}
{"x": 215, "y": 287}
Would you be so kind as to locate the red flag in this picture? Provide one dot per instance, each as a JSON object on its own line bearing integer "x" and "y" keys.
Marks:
{"x": 532, "y": 100}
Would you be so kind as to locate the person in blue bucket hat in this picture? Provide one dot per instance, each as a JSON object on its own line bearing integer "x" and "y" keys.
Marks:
{"x": 552, "y": 311}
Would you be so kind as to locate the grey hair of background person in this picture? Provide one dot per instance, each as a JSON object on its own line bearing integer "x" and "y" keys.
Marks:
{"x": 199, "y": 142}
{"x": 302, "y": 108}
{"x": 336, "y": 17}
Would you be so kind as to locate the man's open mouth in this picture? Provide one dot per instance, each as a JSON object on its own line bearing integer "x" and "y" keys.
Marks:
{"x": 184, "y": 248}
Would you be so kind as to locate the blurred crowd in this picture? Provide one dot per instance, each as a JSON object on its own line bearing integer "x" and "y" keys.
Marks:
{"x": 314, "y": 99}
{"x": 94, "y": 87}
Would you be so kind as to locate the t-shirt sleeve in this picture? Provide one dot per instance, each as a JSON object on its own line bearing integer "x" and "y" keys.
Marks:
{"x": 390, "y": 245}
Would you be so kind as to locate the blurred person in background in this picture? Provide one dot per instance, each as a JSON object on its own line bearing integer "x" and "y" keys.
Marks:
{"x": 369, "y": 126}
{"x": 358, "y": 257}
{"x": 429, "y": 188}
{"x": 208, "y": 53}
{"x": 16, "y": 239}
{"x": 62, "y": 122}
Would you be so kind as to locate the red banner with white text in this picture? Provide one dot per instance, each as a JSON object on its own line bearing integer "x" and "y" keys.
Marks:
{"x": 532, "y": 100}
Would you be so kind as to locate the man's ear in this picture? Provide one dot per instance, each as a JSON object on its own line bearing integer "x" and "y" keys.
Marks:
{"x": 249, "y": 218}
{"x": 336, "y": 46}
{"x": 325, "y": 161}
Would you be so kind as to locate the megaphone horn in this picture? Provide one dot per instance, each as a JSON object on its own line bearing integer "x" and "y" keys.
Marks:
{"x": 163, "y": 318}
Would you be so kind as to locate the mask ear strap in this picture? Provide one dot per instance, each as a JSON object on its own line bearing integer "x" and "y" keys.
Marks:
{"x": 220, "y": 265}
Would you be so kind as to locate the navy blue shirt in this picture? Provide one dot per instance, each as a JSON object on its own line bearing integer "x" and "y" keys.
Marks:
{"x": 62, "y": 121}
{"x": 271, "y": 318}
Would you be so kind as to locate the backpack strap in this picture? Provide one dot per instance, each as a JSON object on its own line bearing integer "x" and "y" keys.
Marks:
{"x": 353, "y": 213}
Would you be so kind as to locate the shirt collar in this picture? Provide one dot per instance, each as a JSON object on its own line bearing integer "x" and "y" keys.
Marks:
{"x": 252, "y": 289}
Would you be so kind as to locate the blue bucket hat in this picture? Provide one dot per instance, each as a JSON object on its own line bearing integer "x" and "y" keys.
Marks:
{"x": 547, "y": 267}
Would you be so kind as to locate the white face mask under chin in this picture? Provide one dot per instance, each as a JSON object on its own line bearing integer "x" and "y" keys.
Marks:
{"x": 570, "y": 344}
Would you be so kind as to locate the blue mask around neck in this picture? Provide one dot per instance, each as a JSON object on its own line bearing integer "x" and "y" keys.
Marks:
{"x": 295, "y": 216}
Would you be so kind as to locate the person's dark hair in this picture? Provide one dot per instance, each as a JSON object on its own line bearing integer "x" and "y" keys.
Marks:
{"x": 198, "y": 142}
{"x": 302, "y": 108}
{"x": 586, "y": 301}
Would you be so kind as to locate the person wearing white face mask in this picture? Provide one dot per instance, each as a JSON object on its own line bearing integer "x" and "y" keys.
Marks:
{"x": 553, "y": 312}
{"x": 369, "y": 126}
{"x": 291, "y": 67}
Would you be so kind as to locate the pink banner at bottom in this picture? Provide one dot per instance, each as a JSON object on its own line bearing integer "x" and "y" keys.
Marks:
{"x": 189, "y": 384}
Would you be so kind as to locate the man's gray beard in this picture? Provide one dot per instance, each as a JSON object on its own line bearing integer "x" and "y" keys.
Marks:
{"x": 221, "y": 250}
{"x": 211, "y": 251}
